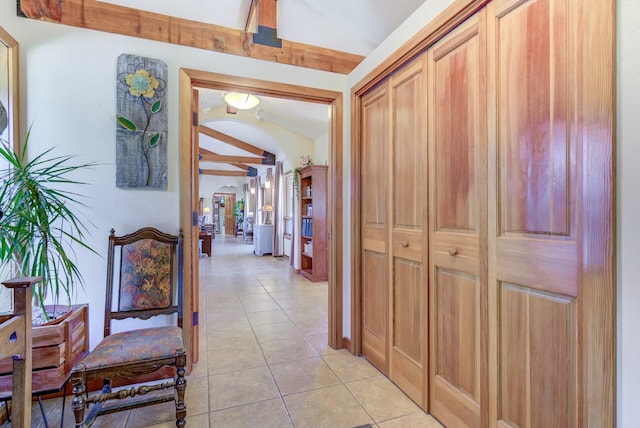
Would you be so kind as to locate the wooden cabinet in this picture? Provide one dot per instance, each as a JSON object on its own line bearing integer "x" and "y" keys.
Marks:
{"x": 313, "y": 223}
{"x": 263, "y": 239}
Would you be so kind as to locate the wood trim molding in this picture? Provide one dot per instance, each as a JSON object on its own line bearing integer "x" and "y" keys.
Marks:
{"x": 356, "y": 216}
{"x": 346, "y": 343}
{"x": 187, "y": 179}
{"x": 96, "y": 15}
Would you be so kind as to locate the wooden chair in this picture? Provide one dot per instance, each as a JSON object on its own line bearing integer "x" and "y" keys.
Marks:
{"x": 15, "y": 341}
{"x": 149, "y": 282}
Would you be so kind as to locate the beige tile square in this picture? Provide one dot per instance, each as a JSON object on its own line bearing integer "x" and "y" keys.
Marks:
{"x": 331, "y": 407}
{"x": 270, "y": 332}
{"x": 275, "y": 281}
{"x": 311, "y": 327}
{"x": 233, "y": 357}
{"x": 221, "y": 338}
{"x": 199, "y": 421}
{"x": 53, "y": 410}
{"x": 242, "y": 387}
{"x": 260, "y": 306}
{"x": 303, "y": 375}
{"x": 224, "y": 317}
{"x": 151, "y": 415}
{"x": 197, "y": 395}
{"x": 350, "y": 368}
{"x": 199, "y": 369}
{"x": 267, "y": 317}
{"x": 265, "y": 414}
{"x": 415, "y": 420}
{"x": 255, "y": 298}
{"x": 280, "y": 351}
{"x": 237, "y": 321}
{"x": 320, "y": 342}
{"x": 381, "y": 398}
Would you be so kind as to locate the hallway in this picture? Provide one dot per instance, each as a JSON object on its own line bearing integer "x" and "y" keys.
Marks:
{"x": 264, "y": 361}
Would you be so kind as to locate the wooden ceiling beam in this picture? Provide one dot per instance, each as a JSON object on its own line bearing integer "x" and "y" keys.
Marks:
{"x": 267, "y": 13}
{"x": 267, "y": 32}
{"x": 268, "y": 158}
{"x": 222, "y": 172}
{"x": 251, "y": 26}
{"x": 231, "y": 159}
{"x": 96, "y": 15}
{"x": 251, "y": 171}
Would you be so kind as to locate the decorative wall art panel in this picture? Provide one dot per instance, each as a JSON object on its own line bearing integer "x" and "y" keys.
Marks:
{"x": 141, "y": 136}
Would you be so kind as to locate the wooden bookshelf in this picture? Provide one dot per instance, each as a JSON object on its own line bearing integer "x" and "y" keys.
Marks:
{"x": 312, "y": 212}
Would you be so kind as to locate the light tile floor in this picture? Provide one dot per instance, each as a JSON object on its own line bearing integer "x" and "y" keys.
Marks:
{"x": 264, "y": 359}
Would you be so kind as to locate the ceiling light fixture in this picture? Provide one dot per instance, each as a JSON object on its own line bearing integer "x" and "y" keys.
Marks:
{"x": 240, "y": 100}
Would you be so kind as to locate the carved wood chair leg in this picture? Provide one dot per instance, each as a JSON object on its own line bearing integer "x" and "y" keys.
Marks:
{"x": 78, "y": 403}
{"x": 180, "y": 387}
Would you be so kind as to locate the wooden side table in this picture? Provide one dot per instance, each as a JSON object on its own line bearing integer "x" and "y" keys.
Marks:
{"x": 206, "y": 243}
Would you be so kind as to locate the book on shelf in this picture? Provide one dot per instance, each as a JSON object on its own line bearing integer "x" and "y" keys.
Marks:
{"x": 307, "y": 227}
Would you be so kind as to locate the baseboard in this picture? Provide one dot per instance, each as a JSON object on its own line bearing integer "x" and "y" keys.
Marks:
{"x": 346, "y": 343}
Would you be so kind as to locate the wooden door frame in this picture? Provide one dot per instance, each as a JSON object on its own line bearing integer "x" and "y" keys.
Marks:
{"x": 225, "y": 207}
{"x": 597, "y": 315}
{"x": 190, "y": 79}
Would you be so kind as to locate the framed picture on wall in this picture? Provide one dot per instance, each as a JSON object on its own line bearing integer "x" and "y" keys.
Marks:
{"x": 9, "y": 124}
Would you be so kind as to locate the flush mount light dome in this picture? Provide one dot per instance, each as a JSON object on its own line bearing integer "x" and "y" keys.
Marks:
{"x": 240, "y": 100}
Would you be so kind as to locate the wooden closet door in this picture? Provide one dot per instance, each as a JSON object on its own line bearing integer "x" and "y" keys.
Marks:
{"x": 458, "y": 217}
{"x": 551, "y": 242}
{"x": 374, "y": 226}
{"x": 408, "y": 233}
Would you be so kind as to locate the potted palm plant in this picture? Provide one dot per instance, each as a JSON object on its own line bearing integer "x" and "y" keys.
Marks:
{"x": 38, "y": 233}
{"x": 40, "y": 227}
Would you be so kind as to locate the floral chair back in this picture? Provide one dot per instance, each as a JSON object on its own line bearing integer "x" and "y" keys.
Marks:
{"x": 149, "y": 281}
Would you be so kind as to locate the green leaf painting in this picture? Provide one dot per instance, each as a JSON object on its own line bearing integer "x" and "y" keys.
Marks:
{"x": 127, "y": 124}
{"x": 141, "y": 133}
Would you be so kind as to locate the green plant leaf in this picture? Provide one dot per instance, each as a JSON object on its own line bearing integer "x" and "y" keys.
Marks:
{"x": 40, "y": 226}
{"x": 127, "y": 124}
{"x": 155, "y": 107}
{"x": 154, "y": 140}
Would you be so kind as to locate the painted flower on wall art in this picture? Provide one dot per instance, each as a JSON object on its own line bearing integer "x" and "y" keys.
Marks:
{"x": 146, "y": 276}
{"x": 141, "y": 136}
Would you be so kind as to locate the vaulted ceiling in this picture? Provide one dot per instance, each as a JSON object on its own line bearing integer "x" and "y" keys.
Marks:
{"x": 332, "y": 35}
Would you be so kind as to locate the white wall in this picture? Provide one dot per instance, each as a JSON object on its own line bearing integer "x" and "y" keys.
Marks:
{"x": 320, "y": 155}
{"x": 68, "y": 92}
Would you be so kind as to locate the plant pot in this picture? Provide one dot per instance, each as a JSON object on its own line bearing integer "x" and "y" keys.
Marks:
{"x": 56, "y": 349}
{"x": 63, "y": 309}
